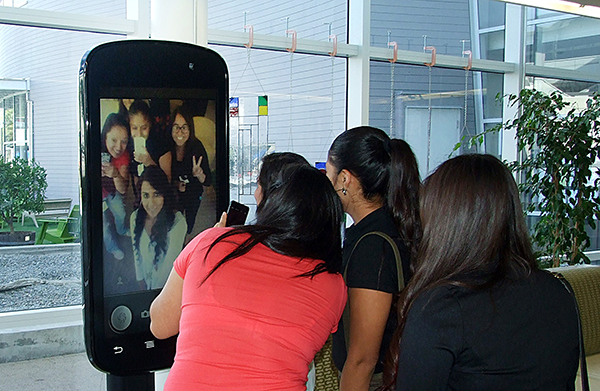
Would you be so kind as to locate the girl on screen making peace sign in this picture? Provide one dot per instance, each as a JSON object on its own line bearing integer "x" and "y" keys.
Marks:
{"x": 190, "y": 168}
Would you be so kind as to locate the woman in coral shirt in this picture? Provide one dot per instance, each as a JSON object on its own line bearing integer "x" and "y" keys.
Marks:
{"x": 253, "y": 304}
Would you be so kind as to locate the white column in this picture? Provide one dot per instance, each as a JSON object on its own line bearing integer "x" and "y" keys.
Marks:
{"x": 359, "y": 33}
{"x": 139, "y": 10}
{"x": 179, "y": 20}
{"x": 514, "y": 51}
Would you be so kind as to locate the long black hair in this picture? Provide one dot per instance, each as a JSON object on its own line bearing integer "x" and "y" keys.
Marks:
{"x": 272, "y": 165}
{"x": 474, "y": 233}
{"x": 387, "y": 171}
{"x": 165, "y": 218}
{"x": 301, "y": 217}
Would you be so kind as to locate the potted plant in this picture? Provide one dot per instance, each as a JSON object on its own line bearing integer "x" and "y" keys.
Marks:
{"x": 22, "y": 188}
{"x": 558, "y": 145}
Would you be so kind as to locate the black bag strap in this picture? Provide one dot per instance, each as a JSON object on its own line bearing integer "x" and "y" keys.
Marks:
{"x": 585, "y": 385}
{"x": 346, "y": 314}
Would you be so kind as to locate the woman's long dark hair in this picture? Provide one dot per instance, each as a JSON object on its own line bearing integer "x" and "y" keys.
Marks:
{"x": 272, "y": 165}
{"x": 387, "y": 171}
{"x": 301, "y": 217}
{"x": 139, "y": 106}
{"x": 474, "y": 233}
{"x": 165, "y": 218}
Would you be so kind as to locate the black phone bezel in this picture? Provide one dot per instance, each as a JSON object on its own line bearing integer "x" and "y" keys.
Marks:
{"x": 135, "y": 64}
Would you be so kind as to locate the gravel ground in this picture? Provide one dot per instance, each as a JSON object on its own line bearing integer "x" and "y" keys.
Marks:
{"x": 33, "y": 277}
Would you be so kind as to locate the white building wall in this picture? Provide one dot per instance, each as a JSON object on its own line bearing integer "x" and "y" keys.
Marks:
{"x": 50, "y": 59}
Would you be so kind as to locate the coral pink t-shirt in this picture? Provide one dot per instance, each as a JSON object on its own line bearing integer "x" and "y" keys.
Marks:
{"x": 253, "y": 325}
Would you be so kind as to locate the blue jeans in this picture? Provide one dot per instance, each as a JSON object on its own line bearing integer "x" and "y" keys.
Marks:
{"x": 116, "y": 213}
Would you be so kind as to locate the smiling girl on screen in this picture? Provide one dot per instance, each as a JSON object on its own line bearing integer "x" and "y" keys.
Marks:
{"x": 191, "y": 171}
{"x": 158, "y": 231}
{"x": 115, "y": 181}
{"x": 150, "y": 148}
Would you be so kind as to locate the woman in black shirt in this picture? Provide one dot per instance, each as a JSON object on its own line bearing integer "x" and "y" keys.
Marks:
{"x": 190, "y": 167}
{"x": 478, "y": 313}
{"x": 377, "y": 180}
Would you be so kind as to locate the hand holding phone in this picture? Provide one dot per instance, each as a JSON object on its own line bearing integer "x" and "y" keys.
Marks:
{"x": 222, "y": 221}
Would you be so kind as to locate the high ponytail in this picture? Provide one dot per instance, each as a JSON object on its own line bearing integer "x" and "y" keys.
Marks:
{"x": 403, "y": 192}
{"x": 387, "y": 171}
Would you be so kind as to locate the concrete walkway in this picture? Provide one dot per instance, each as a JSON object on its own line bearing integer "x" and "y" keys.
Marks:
{"x": 71, "y": 372}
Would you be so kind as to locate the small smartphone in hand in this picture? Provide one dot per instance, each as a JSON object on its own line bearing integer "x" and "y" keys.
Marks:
{"x": 139, "y": 144}
{"x": 237, "y": 213}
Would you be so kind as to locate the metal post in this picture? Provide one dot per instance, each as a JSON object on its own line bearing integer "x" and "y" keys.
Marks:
{"x": 143, "y": 382}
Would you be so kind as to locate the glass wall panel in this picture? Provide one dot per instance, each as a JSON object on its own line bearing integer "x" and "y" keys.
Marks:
{"x": 280, "y": 102}
{"x": 414, "y": 23}
{"x": 49, "y": 59}
{"x": 9, "y": 133}
{"x": 491, "y": 13}
{"x": 113, "y": 8}
{"x": 492, "y": 90}
{"x": 310, "y": 19}
{"x": 576, "y": 93}
{"x": 567, "y": 42}
{"x": 433, "y": 109}
{"x": 492, "y": 45}
{"x": 429, "y": 109}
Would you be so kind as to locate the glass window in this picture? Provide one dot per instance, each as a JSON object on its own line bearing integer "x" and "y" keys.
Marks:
{"x": 14, "y": 123}
{"x": 9, "y": 128}
{"x": 576, "y": 93}
{"x": 107, "y": 8}
{"x": 280, "y": 102}
{"x": 50, "y": 59}
{"x": 540, "y": 13}
{"x": 310, "y": 20}
{"x": 42, "y": 124}
{"x": 429, "y": 109}
{"x": 493, "y": 87}
{"x": 492, "y": 45}
{"x": 570, "y": 43}
{"x": 414, "y": 24}
{"x": 491, "y": 13}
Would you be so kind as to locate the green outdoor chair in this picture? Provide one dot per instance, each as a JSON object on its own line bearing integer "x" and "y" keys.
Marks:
{"x": 60, "y": 233}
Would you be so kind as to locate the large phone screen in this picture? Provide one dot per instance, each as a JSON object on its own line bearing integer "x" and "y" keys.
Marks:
{"x": 157, "y": 169}
{"x": 154, "y": 174}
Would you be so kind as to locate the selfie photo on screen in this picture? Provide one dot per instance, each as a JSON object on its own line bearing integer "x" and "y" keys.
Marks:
{"x": 158, "y": 165}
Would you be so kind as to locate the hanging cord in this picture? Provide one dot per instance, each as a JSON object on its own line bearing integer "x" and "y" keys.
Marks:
{"x": 332, "y": 105}
{"x": 248, "y": 65}
{"x": 332, "y": 38}
{"x": 429, "y": 120}
{"x": 291, "y": 138}
{"x": 392, "y": 106}
{"x": 429, "y": 65}
{"x": 464, "y": 127}
{"x": 464, "y": 130}
{"x": 291, "y": 50}
{"x": 392, "y": 69}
